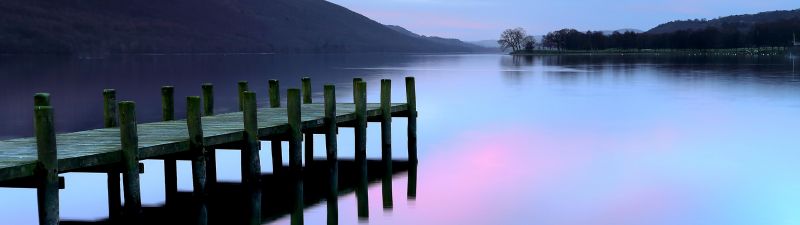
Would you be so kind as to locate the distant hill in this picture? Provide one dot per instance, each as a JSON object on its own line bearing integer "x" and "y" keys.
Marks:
{"x": 451, "y": 42}
{"x": 741, "y": 22}
{"x": 199, "y": 26}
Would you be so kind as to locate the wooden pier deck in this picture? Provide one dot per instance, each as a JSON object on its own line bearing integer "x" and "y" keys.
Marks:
{"x": 35, "y": 162}
{"x": 101, "y": 147}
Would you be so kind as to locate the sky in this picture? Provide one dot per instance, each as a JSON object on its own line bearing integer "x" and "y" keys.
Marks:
{"x": 473, "y": 20}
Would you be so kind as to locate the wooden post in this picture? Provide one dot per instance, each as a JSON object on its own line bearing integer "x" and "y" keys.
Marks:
{"x": 242, "y": 88}
{"x": 196, "y": 147}
{"x": 386, "y": 124}
{"x": 331, "y": 130}
{"x": 170, "y": 166}
{"x": 130, "y": 154}
{"x": 386, "y": 142}
{"x": 306, "y": 90}
{"x": 167, "y": 103}
{"x": 275, "y": 102}
{"x": 194, "y": 124}
{"x": 211, "y": 154}
{"x": 355, "y": 81}
{"x": 309, "y": 136}
{"x": 411, "y": 95}
{"x": 331, "y": 149}
{"x": 109, "y": 121}
{"x": 47, "y": 163}
{"x": 251, "y": 165}
{"x": 361, "y": 121}
{"x": 109, "y": 108}
{"x": 41, "y": 99}
{"x": 295, "y": 136}
{"x": 361, "y": 148}
{"x": 208, "y": 99}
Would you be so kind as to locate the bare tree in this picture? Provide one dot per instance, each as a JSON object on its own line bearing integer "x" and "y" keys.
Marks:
{"x": 514, "y": 39}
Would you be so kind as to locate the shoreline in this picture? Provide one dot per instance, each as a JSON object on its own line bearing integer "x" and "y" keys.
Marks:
{"x": 765, "y": 51}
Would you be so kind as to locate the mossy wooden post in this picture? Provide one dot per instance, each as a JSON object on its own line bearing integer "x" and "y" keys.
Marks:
{"x": 130, "y": 153}
{"x": 251, "y": 164}
{"x": 361, "y": 121}
{"x": 109, "y": 121}
{"x": 332, "y": 154}
{"x": 211, "y": 154}
{"x": 47, "y": 161}
{"x": 41, "y": 99}
{"x": 275, "y": 102}
{"x": 309, "y": 136}
{"x": 361, "y": 148}
{"x": 170, "y": 166}
{"x": 242, "y": 89}
{"x": 386, "y": 124}
{"x": 386, "y": 142}
{"x": 411, "y": 96}
{"x": 196, "y": 149}
{"x": 355, "y": 81}
{"x": 295, "y": 135}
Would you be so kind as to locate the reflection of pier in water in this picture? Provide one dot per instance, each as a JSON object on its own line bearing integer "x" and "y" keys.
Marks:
{"x": 228, "y": 203}
{"x": 36, "y": 162}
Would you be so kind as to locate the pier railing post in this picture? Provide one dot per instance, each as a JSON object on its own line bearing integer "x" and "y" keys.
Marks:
{"x": 386, "y": 123}
{"x": 331, "y": 131}
{"x": 386, "y": 141}
{"x": 41, "y": 99}
{"x": 309, "y": 136}
{"x": 295, "y": 136}
{"x": 361, "y": 148}
{"x": 109, "y": 108}
{"x": 196, "y": 148}
{"x": 275, "y": 102}
{"x": 361, "y": 120}
{"x": 211, "y": 154}
{"x": 109, "y": 121}
{"x": 411, "y": 96}
{"x": 251, "y": 165}
{"x": 130, "y": 154}
{"x": 47, "y": 161}
{"x": 242, "y": 89}
{"x": 355, "y": 82}
{"x": 295, "y": 153}
{"x": 170, "y": 166}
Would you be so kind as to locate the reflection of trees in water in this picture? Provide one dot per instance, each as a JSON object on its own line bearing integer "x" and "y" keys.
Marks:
{"x": 566, "y": 68}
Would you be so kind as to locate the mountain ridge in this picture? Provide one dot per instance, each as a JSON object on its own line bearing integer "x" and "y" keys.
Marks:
{"x": 197, "y": 26}
{"x": 741, "y": 22}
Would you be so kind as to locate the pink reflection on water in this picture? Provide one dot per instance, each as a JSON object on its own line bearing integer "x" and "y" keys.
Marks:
{"x": 478, "y": 169}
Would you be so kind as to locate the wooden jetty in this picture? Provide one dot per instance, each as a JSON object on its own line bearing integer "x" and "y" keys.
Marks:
{"x": 35, "y": 162}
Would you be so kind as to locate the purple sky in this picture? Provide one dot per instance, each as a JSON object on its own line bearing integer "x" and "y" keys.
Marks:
{"x": 485, "y": 19}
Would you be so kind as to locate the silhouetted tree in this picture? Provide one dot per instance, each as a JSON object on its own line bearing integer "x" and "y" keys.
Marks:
{"x": 514, "y": 39}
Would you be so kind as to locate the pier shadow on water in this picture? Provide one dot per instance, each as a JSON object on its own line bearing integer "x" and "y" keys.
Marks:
{"x": 280, "y": 194}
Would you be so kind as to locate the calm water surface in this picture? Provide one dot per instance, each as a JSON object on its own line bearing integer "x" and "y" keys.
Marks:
{"x": 502, "y": 140}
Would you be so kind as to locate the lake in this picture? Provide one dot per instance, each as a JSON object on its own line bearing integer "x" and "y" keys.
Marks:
{"x": 502, "y": 140}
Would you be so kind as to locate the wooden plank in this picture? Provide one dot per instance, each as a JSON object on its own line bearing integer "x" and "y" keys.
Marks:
{"x": 28, "y": 182}
{"x": 111, "y": 168}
